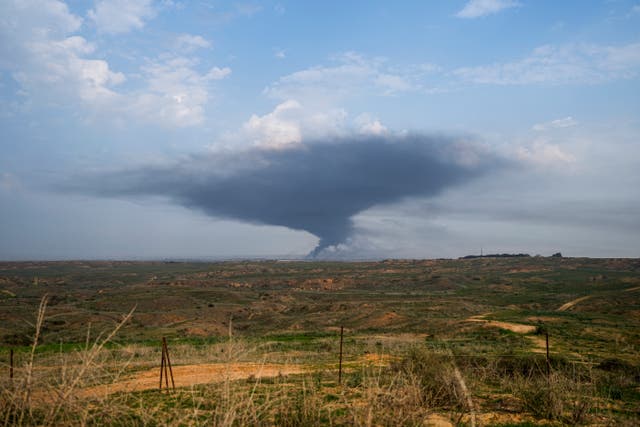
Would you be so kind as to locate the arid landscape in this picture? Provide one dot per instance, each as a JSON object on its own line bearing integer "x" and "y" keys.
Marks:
{"x": 319, "y": 213}
{"x": 432, "y": 342}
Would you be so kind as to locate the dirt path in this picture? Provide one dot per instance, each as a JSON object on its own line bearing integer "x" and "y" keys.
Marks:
{"x": 568, "y": 305}
{"x": 518, "y": 328}
{"x": 465, "y": 392}
{"x": 188, "y": 375}
{"x": 538, "y": 343}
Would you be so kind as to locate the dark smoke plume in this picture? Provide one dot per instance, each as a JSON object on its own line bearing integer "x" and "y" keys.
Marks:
{"x": 317, "y": 187}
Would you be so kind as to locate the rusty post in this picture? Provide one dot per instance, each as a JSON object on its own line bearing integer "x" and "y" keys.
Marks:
{"x": 166, "y": 373}
{"x": 161, "y": 367}
{"x": 168, "y": 363}
{"x": 11, "y": 365}
{"x": 340, "y": 365}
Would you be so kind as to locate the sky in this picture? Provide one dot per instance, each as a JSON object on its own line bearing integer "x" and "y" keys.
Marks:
{"x": 166, "y": 129}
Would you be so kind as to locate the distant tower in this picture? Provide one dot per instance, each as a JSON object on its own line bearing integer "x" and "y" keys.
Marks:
{"x": 480, "y": 251}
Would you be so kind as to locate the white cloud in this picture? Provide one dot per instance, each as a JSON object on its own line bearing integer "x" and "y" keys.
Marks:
{"x": 189, "y": 42}
{"x": 216, "y": 73}
{"x": 555, "y": 124}
{"x": 291, "y": 123}
{"x": 478, "y": 8}
{"x": 45, "y": 18}
{"x": 121, "y": 16}
{"x": 565, "y": 64}
{"x": 369, "y": 125}
{"x": 276, "y": 129}
{"x": 393, "y": 83}
{"x": 322, "y": 81}
{"x": 27, "y": 21}
{"x": 176, "y": 93}
{"x": 64, "y": 70}
{"x": 351, "y": 74}
{"x": 543, "y": 153}
{"x": 49, "y": 63}
{"x": 55, "y": 67}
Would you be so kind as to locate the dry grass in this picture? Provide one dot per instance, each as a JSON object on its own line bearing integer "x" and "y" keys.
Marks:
{"x": 45, "y": 396}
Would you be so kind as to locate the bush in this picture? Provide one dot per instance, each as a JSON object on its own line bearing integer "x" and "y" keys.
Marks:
{"x": 563, "y": 397}
{"x": 434, "y": 376}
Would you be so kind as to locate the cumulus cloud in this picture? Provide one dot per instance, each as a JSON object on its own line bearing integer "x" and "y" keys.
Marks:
{"x": 53, "y": 66}
{"x": 316, "y": 187}
{"x": 478, "y": 8}
{"x": 176, "y": 92}
{"x": 369, "y": 125}
{"x": 46, "y": 18}
{"x": 290, "y": 123}
{"x": 276, "y": 129}
{"x": 121, "y": 16}
{"x": 37, "y": 46}
{"x": 564, "y": 64}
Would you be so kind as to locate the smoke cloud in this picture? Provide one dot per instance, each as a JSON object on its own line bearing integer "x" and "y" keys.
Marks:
{"x": 317, "y": 187}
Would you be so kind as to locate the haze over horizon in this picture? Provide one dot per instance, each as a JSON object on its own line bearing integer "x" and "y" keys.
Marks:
{"x": 168, "y": 129}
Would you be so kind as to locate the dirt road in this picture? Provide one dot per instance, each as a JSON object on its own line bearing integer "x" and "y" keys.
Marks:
{"x": 518, "y": 328}
{"x": 566, "y": 306}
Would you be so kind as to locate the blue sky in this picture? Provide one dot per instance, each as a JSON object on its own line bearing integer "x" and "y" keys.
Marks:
{"x": 149, "y": 90}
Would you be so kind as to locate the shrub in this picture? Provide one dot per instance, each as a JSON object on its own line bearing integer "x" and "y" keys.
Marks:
{"x": 561, "y": 396}
{"x": 434, "y": 375}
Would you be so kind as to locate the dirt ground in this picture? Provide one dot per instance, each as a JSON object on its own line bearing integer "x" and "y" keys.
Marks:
{"x": 568, "y": 305}
{"x": 513, "y": 327}
{"x": 538, "y": 343}
{"x": 189, "y": 375}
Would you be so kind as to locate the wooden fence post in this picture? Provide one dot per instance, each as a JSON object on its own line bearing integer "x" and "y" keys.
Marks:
{"x": 546, "y": 335}
{"x": 166, "y": 351}
{"x": 165, "y": 367}
{"x": 162, "y": 366}
{"x": 11, "y": 365}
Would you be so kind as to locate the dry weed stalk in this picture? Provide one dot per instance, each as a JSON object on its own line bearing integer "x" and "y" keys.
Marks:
{"x": 87, "y": 362}
{"x": 20, "y": 404}
{"x": 20, "y": 408}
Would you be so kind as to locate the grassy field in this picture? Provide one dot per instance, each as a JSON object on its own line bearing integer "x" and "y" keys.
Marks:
{"x": 433, "y": 342}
